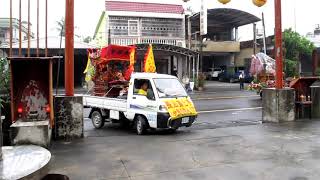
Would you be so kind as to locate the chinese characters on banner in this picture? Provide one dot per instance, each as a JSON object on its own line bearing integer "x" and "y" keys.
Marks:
{"x": 179, "y": 108}
{"x": 132, "y": 56}
{"x": 149, "y": 64}
{"x": 203, "y": 18}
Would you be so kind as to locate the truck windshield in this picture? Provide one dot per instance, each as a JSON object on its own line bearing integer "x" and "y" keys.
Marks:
{"x": 169, "y": 88}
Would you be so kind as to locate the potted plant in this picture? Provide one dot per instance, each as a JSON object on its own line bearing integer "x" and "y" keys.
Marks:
{"x": 201, "y": 81}
{"x": 4, "y": 83}
{"x": 5, "y": 99}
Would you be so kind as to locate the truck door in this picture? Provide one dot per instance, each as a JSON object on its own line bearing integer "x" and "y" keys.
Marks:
{"x": 144, "y": 101}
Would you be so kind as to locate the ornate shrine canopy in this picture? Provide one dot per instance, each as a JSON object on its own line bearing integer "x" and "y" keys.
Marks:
{"x": 116, "y": 52}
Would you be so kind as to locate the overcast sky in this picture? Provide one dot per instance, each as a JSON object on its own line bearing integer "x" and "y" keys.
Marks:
{"x": 87, "y": 13}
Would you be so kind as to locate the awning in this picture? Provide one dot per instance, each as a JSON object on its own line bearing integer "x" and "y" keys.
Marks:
{"x": 225, "y": 18}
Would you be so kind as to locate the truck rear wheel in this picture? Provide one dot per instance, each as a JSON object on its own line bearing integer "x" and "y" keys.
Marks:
{"x": 97, "y": 119}
{"x": 140, "y": 125}
{"x": 174, "y": 130}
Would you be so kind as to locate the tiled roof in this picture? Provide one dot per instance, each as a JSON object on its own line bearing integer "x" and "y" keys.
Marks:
{"x": 143, "y": 7}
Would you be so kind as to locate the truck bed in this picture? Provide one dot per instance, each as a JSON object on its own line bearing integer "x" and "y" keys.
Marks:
{"x": 105, "y": 103}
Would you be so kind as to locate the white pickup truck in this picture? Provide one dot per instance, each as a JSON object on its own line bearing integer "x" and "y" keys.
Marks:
{"x": 149, "y": 111}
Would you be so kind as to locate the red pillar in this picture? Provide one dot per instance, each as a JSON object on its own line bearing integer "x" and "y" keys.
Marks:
{"x": 278, "y": 45}
{"x": 69, "y": 53}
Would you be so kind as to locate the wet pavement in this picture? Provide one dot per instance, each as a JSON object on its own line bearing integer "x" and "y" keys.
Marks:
{"x": 265, "y": 151}
{"x": 228, "y": 142}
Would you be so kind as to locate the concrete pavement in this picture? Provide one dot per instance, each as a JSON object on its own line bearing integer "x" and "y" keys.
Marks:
{"x": 266, "y": 151}
{"x": 228, "y": 142}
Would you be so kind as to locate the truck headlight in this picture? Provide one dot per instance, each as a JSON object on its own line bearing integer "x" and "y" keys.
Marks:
{"x": 163, "y": 108}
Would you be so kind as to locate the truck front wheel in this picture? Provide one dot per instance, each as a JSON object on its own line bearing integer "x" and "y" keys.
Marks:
{"x": 97, "y": 119}
{"x": 140, "y": 125}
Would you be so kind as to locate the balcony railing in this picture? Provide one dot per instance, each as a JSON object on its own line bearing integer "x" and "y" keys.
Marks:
{"x": 145, "y": 40}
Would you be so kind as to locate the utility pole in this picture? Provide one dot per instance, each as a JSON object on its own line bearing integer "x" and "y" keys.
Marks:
{"x": 189, "y": 32}
{"x": 203, "y": 28}
{"x": 254, "y": 38}
{"x": 201, "y": 53}
{"x": 264, "y": 35}
{"x": 69, "y": 50}
{"x": 278, "y": 44}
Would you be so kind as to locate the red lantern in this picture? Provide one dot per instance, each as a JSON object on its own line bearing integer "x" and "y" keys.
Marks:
{"x": 259, "y": 3}
{"x": 224, "y": 1}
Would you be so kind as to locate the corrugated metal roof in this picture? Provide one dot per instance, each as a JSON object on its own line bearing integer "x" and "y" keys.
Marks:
{"x": 53, "y": 43}
{"x": 226, "y": 17}
{"x": 144, "y": 7}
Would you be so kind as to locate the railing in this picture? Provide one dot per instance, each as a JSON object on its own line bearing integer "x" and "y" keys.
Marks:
{"x": 137, "y": 40}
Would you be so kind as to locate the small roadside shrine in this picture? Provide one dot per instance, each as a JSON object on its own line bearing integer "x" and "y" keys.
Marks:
{"x": 32, "y": 100}
{"x": 303, "y": 96}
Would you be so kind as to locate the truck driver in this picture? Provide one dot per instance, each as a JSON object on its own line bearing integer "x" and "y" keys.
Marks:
{"x": 143, "y": 89}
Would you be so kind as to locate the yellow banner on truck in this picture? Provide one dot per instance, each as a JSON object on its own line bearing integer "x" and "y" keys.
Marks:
{"x": 179, "y": 108}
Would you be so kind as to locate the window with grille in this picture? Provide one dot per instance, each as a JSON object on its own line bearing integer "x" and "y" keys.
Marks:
{"x": 161, "y": 27}
{"x": 133, "y": 27}
{"x": 118, "y": 26}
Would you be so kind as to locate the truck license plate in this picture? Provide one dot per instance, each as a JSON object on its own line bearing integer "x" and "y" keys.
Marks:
{"x": 185, "y": 120}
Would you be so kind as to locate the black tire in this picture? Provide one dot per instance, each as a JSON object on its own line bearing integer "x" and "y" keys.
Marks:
{"x": 140, "y": 125}
{"x": 97, "y": 119}
{"x": 220, "y": 79}
{"x": 171, "y": 131}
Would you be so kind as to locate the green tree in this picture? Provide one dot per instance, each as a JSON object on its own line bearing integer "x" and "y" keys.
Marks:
{"x": 4, "y": 83}
{"x": 291, "y": 68}
{"x": 295, "y": 45}
{"x": 88, "y": 39}
{"x": 61, "y": 27}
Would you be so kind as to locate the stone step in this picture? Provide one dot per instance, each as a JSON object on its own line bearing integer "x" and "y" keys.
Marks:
{"x": 35, "y": 132}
